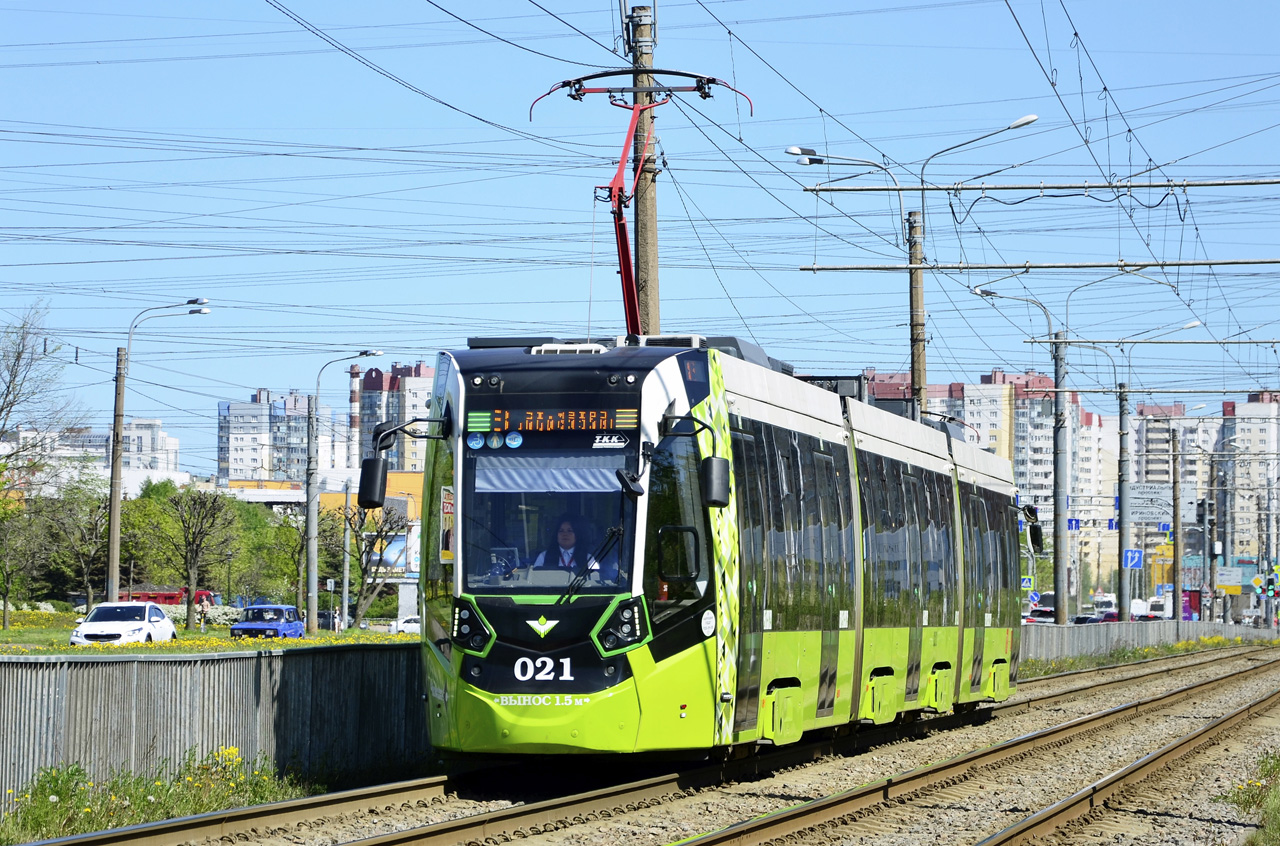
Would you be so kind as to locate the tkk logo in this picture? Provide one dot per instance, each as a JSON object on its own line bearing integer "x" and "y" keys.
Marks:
{"x": 610, "y": 442}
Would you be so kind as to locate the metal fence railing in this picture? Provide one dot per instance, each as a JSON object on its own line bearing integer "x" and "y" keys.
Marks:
{"x": 340, "y": 715}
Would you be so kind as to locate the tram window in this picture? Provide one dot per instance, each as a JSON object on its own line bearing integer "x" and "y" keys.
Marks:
{"x": 750, "y": 527}
{"x": 517, "y": 506}
{"x": 808, "y": 524}
{"x": 834, "y": 563}
{"x": 675, "y": 512}
{"x": 913, "y": 501}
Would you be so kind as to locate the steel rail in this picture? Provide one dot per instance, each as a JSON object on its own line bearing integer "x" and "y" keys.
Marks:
{"x": 832, "y": 809}
{"x": 276, "y": 815}
{"x": 1055, "y": 816}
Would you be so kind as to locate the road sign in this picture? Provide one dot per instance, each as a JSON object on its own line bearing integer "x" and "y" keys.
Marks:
{"x": 1028, "y": 582}
{"x": 1166, "y": 527}
{"x": 1033, "y": 596}
{"x": 1150, "y": 502}
{"x": 1073, "y": 524}
{"x": 1133, "y": 559}
{"x": 1111, "y": 525}
{"x": 1258, "y": 581}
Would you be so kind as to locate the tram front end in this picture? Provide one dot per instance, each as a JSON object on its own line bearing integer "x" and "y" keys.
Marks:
{"x": 538, "y": 613}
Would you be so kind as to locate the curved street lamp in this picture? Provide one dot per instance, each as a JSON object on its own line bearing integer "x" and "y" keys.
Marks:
{"x": 117, "y": 437}
{"x": 313, "y": 494}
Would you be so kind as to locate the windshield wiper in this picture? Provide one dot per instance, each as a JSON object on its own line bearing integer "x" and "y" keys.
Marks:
{"x": 612, "y": 535}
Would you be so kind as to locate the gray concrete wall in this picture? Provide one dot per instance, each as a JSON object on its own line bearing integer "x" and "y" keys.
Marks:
{"x": 1049, "y": 642}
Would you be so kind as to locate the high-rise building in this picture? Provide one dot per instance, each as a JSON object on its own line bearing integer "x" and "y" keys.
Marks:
{"x": 266, "y": 438}
{"x": 1247, "y": 461}
{"x": 398, "y": 395}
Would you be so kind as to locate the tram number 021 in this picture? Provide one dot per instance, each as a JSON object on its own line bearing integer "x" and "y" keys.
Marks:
{"x": 542, "y": 669}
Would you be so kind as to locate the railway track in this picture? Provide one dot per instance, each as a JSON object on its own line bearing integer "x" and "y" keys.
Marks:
{"x": 421, "y": 805}
{"x": 981, "y": 784}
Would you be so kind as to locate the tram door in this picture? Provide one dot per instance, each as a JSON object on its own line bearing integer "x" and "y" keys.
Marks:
{"x": 912, "y": 502}
{"x": 977, "y": 598}
{"x": 823, "y": 518}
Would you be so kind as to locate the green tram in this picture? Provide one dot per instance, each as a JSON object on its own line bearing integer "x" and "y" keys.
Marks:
{"x": 751, "y": 554}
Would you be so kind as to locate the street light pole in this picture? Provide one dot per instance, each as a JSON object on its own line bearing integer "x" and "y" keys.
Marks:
{"x": 313, "y": 494}
{"x": 916, "y": 232}
{"x": 117, "y": 440}
{"x": 1060, "y": 462}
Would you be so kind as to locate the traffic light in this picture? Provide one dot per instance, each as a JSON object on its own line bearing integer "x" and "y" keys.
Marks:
{"x": 1200, "y": 511}
{"x": 1267, "y": 589}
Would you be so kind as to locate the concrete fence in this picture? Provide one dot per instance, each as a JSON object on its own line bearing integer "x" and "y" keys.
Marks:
{"x": 1049, "y": 642}
{"x": 341, "y": 715}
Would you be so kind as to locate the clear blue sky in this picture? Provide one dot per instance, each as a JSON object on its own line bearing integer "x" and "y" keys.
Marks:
{"x": 396, "y": 195}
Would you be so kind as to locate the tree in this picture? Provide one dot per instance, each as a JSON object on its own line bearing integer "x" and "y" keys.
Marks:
{"x": 200, "y": 535}
{"x": 30, "y": 401}
{"x": 268, "y": 551}
{"x": 370, "y": 533}
{"x": 77, "y": 528}
{"x": 143, "y": 553}
{"x": 21, "y": 542}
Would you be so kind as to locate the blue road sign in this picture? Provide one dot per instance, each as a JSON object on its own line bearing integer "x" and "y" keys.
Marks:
{"x": 1111, "y": 525}
{"x": 1028, "y": 582}
{"x": 1133, "y": 559}
{"x": 1166, "y": 527}
{"x": 1033, "y": 596}
{"x": 1073, "y": 524}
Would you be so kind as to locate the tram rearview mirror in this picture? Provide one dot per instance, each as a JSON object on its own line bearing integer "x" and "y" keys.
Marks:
{"x": 373, "y": 482}
{"x": 1035, "y": 533}
{"x": 715, "y": 482}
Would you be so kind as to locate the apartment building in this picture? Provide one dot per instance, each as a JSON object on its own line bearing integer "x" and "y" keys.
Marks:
{"x": 266, "y": 438}
{"x": 399, "y": 395}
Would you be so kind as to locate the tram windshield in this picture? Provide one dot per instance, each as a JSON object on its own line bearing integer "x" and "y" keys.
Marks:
{"x": 545, "y": 521}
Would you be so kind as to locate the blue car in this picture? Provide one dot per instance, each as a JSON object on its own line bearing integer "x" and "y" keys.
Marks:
{"x": 272, "y": 621}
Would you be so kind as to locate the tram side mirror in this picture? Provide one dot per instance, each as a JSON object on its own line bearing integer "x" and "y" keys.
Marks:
{"x": 715, "y": 481}
{"x": 630, "y": 484}
{"x": 678, "y": 559}
{"x": 373, "y": 482}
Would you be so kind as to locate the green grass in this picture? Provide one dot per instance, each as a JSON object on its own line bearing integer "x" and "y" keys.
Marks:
{"x": 65, "y": 801}
{"x": 1260, "y": 797}
{"x": 46, "y": 633}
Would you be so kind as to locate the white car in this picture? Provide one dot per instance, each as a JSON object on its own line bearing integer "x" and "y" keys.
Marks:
{"x": 123, "y": 622}
{"x": 408, "y": 625}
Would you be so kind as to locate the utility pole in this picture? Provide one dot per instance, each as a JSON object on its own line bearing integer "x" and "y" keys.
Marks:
{"x": 915, "y": 246}
{"x": 1176, "y": 456}
{"x": 117, "y": 484}
{"x": 646, "y": 201}
{"x": 1125, "y": 526}
{"x": 1061, "y": 483}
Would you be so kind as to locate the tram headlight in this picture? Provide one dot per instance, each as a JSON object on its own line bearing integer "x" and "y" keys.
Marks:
{"x": 625, "y": 626}
{"x": 469, "y": 632}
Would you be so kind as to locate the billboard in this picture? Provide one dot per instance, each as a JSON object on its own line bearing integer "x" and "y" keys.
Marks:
{"x": 400, "y": 557}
